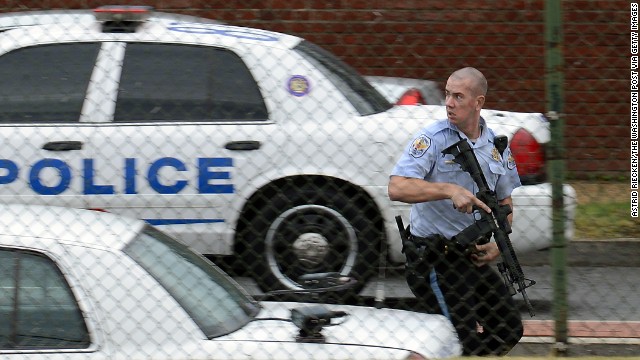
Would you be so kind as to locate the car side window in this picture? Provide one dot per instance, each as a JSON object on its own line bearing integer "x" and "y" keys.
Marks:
{"x": 171, "y": 82}
{"x": 45, "y": 84}
{"x": 37, "y": 308}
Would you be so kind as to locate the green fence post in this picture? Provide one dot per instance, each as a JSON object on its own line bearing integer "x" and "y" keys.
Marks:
{"x": 554, "y": 82}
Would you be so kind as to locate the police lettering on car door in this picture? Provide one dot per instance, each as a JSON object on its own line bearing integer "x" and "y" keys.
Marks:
{"x": 212, "y": 176}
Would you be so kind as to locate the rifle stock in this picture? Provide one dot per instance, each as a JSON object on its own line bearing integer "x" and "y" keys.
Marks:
{"x": 493, "y": 224}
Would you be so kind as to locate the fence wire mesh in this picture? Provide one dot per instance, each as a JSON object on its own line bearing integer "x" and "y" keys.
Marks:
{"x": 270, "y": 155}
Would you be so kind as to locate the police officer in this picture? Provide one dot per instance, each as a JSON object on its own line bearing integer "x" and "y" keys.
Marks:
{"x": 463, "y": 285}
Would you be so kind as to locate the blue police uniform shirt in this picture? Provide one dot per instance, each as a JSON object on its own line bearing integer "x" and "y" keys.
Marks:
{"x": 423, "y": 159}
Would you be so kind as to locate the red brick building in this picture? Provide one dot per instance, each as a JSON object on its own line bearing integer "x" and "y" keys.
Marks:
{"x": 430, "y": 38}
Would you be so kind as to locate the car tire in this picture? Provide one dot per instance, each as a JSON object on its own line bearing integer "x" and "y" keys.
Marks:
{"x": 309, "y": 227}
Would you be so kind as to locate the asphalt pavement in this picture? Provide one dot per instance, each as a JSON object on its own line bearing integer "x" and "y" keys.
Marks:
{"x": 603, "y": 308}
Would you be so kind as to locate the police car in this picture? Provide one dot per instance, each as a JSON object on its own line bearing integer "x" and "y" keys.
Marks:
{"x": 239, "y": 141}
{"x": 80, "y": 284}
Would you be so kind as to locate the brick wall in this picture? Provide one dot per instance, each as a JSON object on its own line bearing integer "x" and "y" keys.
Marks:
{"x": 430, "y": 38}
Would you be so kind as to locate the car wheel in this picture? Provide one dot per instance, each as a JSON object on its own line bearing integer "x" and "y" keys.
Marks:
{"x": 305, "y": 229}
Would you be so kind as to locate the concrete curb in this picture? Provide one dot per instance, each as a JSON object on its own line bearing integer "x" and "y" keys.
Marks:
{"x": 591, "y": 252}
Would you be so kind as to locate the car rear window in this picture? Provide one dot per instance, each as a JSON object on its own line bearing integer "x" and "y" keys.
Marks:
{"x": 214, "y": 302}
{"x": 360, "y": 93}
{"x": 173, "y": 82}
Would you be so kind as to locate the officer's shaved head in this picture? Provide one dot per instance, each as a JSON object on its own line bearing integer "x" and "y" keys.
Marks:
{"x": 478, "y": 81}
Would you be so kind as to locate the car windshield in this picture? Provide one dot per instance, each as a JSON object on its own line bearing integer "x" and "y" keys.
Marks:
{"x": 362, "y": 95}
{"x": 207, "y": 294}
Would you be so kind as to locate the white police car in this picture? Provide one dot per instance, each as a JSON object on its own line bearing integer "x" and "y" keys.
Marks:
{"x": 80, "y": 284}
{"x": 239, "y": 141}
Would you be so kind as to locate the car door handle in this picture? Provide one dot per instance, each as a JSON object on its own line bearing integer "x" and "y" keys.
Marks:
{"x": 63, "y": 145}
{"x": 243, "y": 145}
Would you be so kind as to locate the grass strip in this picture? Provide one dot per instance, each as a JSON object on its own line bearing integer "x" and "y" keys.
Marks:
{"x": 605, "y": 221}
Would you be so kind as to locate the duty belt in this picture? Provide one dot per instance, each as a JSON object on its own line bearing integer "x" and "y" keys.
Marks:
{"x": 437, "y": 244}
{"x": 434, "y": 243}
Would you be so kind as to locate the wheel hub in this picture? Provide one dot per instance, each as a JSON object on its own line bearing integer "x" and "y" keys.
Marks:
{"x": 311, "y": 249}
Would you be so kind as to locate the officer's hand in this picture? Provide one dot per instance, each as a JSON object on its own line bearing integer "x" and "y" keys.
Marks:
{"x": 485, "y": 253}
{"x": 464, "y": 200}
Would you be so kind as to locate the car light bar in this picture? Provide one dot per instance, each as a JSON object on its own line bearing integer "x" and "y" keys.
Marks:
{"x": 122, "y": 13}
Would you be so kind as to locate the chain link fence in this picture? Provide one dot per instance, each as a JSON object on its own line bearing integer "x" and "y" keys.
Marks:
{"x": 271, "y": 155}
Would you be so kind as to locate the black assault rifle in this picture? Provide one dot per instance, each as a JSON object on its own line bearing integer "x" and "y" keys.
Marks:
{"x": 494, "y": 223}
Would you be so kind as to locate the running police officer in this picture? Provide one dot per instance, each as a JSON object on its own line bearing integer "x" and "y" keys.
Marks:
{"x": 463, "y": 284}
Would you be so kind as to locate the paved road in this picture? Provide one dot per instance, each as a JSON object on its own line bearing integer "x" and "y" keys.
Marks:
{"x": 603, "y": 305}
{"x": 602, "y": 299}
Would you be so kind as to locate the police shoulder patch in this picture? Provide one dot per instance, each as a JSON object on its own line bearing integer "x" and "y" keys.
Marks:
{"x": 511, "y": 161}
{"x": 420, "y": 146}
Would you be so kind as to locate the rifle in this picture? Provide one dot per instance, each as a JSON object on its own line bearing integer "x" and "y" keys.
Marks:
{"x": 494, "y": 223}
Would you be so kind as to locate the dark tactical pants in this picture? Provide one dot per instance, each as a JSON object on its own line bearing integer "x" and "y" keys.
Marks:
{"x": 475, "y": 299}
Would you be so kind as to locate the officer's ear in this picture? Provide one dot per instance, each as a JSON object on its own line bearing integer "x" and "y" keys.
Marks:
{"x": 479, "y": 102}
